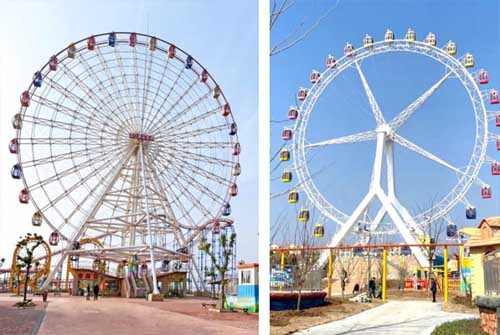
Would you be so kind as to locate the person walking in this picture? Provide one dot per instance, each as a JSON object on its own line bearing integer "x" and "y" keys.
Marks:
{"x": 96, "y": 291}
{"x": 415, "y": 281}
{"x": 88, "y": 292}
{"x": 433, "y": 289}
{"x": 372, "y": 287}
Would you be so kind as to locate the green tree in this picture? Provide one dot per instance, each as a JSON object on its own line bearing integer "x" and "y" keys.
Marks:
{"x": 227, "y": 246}
{"x": 25, "y": 257}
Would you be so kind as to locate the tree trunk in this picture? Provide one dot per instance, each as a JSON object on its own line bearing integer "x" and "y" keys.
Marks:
{"x": 26, "y": 282}
{"x": 299, "y": 298}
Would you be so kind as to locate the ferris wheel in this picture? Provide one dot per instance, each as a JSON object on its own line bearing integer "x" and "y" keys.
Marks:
{"x": 127, "y": 139}
{"x": 385, "y": 133}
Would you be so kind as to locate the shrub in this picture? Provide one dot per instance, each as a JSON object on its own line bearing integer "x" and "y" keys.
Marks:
{"x": 460, "y": 327}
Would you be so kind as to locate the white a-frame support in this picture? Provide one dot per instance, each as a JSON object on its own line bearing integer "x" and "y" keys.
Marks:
{"x": 390, "y": 205}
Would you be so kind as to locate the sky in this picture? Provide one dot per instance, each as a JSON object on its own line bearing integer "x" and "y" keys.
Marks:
{"x": 222, "y": 36}
{"x": 444, "y": 126}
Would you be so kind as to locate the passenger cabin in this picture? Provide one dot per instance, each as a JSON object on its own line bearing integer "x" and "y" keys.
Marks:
{"x": 410, "y": 35}
{"x": 226, "y": 210}
{"x": 24, "y": 196}
{"x": 497, "y": 119}
{"x": 304, "y": 215}
{"x": 494, "y": 98}
{"x": 315, "y": 77}
{"x": 498, "y": 143}
{"x": 451, "y": 48}
{"x": 367, "y": 41}
{"x": 286, "y": 176}
{"x": 36, "y": 219}
{"x": 132, "y": 40}
{"x": 431, "y": 39}
{"x": 236, "y": 149}
{"x": 37, "y": 79}
{"x": 233, "y": 190}
{"x": 468, "y": 60}
{"x": 486, "y": 192}
{"x": 293, "y": 197}
{"x": 204, "y": 76}
{"x": 25, "y": 99}
{"x": 234, "y": 129}
{"x": 284, "y": 155}
{"x": 483, "y": 77}
{"x": 495, "y": 168}
{"x": 389, "y": 36}
{"x": 216, "y": 92}
{"x": 451, "y": 229}
{"x": 91, "y": 43}
{"x": 71, "y": 51}
{"x": 13, "y": 146}
{"x": 16, "y": 171}
{"x": 112, "y": 39}
{"x": 189, "y": 62}
{"x": 152, "y": 44}
{"x": 302, "y": 94}
{"x": 293, "y": 113}
{"x": 470, "y": 213}
{"x": 331, "y": 62}
{"x": 17, "y": 121}
{"x": 54, "y": 238}
{"x": 319, "y": 230}
{"x": 171, "y": 51}
{"x": 53, "y": 63}
{"x": 226, "y": 110}
{"x": 286, "y": 134}
{"x": 236, "y": 169}
{"x": 348, "y": 50}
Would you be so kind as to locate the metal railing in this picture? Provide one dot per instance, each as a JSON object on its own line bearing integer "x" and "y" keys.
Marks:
{"x": 492, "y": 276}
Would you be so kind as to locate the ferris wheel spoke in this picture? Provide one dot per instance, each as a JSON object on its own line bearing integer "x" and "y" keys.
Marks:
{"x": 95, "y": 78}
{"x": 189, "y": 123}
{"x": 359, "y": 137}
{"x": 170, "y": 121}
{"x": 70, "y": 141}
{"x": 198, "y": 132}
{"x": 146, "y": 79}
{"x": 172, "y": 181}
{"x": 59, "y": 157}
{"x": 201, "y": 157}
{"x": 195, "y": 169}
{"x": 88, "y": 92}
{"x": 172, "y": 106}
{"x": 413, "y": 147}
{"x": 379, "y": 118}
{"x": 402, "y": 117}
{"x": 197, "y": 145}
{"x": 121, "y": 67}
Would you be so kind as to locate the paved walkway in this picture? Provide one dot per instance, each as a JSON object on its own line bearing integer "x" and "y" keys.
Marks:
{"x": 394, "y": 317}
{"x": 75, "y": 315}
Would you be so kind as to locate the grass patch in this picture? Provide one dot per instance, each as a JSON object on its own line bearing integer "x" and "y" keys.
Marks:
{"x": 460, "y": 327}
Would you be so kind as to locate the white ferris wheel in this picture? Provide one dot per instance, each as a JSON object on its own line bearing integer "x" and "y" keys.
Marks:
{"x": 298, "y": 149}
{"x": 126, "y": 139}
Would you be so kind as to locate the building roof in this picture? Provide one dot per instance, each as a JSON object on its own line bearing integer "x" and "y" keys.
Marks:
{"x": 248, "y": 266}
{"x": 493, "y": 221}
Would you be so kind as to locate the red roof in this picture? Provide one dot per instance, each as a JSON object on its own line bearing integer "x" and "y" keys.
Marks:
{"x": 248, "y": 266}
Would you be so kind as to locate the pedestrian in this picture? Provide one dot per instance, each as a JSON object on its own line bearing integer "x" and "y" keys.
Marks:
{"x": 96, "y": 291}
{"x": 379, "y": 291}
{"x": 433, "y": 289}
{"x": 355, "y": 290}
{"x": 372, "y": 287}
{"x": 415, "y": 281}
{"x": 88, "y": 292}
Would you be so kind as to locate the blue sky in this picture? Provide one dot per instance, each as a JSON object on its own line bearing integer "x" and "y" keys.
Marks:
{"x": 222, "y": 36}
{"x": 443, "y": 126}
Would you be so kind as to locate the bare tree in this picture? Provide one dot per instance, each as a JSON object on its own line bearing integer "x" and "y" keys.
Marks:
{"x": 300, "y": 32}
{"x": 345, "y": 263}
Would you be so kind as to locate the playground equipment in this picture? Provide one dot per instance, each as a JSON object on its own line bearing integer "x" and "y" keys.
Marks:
{"x": 126, "y": 139}
{"x": 42, "y": 255}
{"x": 301, "y": 149}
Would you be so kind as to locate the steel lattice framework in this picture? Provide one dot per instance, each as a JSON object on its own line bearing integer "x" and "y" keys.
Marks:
{"x": 127, "y": 139}
{"x": 386, "y": 135}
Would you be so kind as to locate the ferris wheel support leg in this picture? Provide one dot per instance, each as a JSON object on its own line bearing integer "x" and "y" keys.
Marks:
{"x": 148, "y": 221}
{"x": 113, "y": 174}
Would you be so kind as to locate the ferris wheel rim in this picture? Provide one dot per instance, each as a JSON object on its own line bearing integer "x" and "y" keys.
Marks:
{"x": 328, "y": 76}
{"x": 229, "y": 119}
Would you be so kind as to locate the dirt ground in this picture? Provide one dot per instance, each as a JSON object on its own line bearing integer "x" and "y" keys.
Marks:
{"x": 288, "y": 322}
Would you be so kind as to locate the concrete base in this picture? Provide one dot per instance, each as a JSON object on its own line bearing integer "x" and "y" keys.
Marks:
{"x": 155, "y": 297}
{"x": 489, "y": 313}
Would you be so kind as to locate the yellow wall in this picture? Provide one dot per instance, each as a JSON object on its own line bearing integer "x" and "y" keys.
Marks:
{"x": 477, "y": 271}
